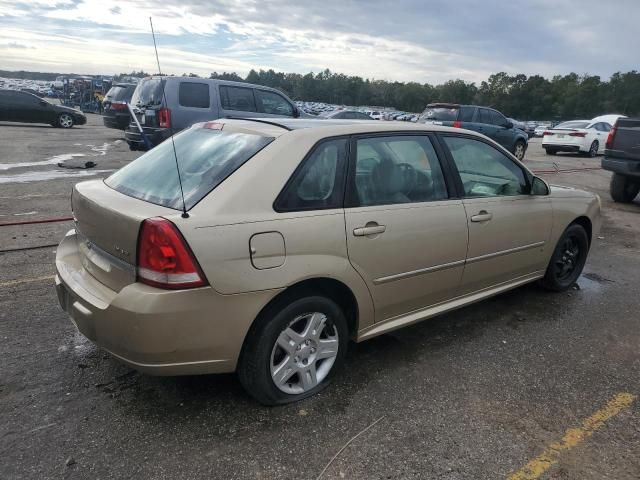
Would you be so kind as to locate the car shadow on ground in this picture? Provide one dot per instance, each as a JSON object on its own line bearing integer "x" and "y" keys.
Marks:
{"x": 368, "y": 363}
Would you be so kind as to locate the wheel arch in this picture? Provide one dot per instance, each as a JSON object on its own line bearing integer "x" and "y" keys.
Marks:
{"x": 584, "y": 222}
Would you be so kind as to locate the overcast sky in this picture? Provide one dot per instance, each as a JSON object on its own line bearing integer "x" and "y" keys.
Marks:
{"x": 424, "y": 41}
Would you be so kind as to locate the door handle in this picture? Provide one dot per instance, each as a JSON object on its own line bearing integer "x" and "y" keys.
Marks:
{"x": 371, "y": 228}
{"x": 482, "y": 216}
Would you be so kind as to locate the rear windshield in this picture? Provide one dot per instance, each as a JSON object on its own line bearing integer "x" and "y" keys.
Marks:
{"x": 205, "y": 157}
{"x": 440, "y": 113}
{"x": 148, "y": 93}
{"x": 120, "y": 93}
{"x": 572, "y": 125}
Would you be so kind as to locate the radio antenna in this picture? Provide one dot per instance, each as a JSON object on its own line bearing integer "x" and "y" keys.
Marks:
{"x": 164, "y": 97}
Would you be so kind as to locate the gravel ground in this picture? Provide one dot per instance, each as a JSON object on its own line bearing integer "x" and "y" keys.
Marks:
{"x": 473, "y": 394}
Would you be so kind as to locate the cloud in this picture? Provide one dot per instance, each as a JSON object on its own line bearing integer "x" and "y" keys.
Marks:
{"x": 16, "y": 45}
{"x": 405, "y": 40}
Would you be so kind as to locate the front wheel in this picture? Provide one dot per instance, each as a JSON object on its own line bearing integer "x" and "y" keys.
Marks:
{"x": 568, "y": 259}
{"x": 623, "y": 189}
{"x": 65, "y": 120}
{"x": 519, "y": 150}
{"x": 293, "y": 350}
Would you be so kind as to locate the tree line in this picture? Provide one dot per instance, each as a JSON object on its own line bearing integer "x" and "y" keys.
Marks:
{"x": 518, "y": 96}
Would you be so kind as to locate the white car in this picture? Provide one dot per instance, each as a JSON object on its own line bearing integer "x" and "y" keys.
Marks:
{"x": 376, "y": 115}
{"x": 539, "y": 130}
{"x": 579, "y": 136}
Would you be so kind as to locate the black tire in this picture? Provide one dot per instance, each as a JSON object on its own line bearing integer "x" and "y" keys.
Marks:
{"x": 593, "y": 149}
{"x": 550, "y": 151}
{"x": 568, "y": 259}
{"x": 254, "y": 367}
{"x": 519, "y": 150}
{"x": 623, "y": 189}
{"x": 65, "y": 121}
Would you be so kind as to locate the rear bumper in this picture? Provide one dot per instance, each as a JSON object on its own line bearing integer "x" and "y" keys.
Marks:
{"x": 159, "y": 332}
{"x": 628, "y": 168}
{"x": 119, "y": 122}
{"x": 155, "y": 136}
{"x": 561, "y": 148}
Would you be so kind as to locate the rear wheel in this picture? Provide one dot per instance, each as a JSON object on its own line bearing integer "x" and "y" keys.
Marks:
{"x": 550, "y": 151}
{"x": 519, "y": 150}
{"x": 568, "y": 259}
{"x": 593, "y": 149}
{"x": 293, "y": 350}
{"x": 65, "y": 120}
{"x": 623, "y": 189}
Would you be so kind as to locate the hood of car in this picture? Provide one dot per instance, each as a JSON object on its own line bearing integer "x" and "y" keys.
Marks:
{"x": 62, "y": 108}
{"x": 560, "y": 191}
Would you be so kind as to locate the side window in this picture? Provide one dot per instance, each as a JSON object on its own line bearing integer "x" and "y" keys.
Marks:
{"x": 270, "y": 102}
{"x": 605, "y": 127}
{"x": 319, "y": 182}
{"x": 484, "y": 170}
{"x": 193, "y": 95}
{"x": 237, "y": 98}
{"x": 466, "y": 114}
{"x": 399, "y": 169}
{"x": 24, "y": 99}
{"x": 497, "y": 119}
{"x": 483, "y": 116}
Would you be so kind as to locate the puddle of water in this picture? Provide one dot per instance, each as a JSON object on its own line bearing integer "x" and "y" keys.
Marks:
{"x": 49, "y": 175}
{"x": 50, "y": 161}
{"x": 589, "y": 284}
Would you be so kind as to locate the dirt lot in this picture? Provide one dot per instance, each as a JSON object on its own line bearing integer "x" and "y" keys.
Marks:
{"x": 526, "y": 378}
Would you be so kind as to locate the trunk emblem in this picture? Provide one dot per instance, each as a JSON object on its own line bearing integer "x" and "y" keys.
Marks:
{"x": 121, "y": 250}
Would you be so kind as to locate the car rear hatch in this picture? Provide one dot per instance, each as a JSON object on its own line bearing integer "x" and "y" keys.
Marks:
{"x": 564, "y": 136}
{"x": 440, "y": 114}
{"x": 148, "y": 103}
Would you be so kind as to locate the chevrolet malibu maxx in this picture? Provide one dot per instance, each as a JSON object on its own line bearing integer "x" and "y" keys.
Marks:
{"x": 275, "y": 243}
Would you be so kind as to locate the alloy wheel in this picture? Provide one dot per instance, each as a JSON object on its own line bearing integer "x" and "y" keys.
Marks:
{"x": 519, "y": 151}
{"x": 569, "y": 258}
{"x": 593, "y": 150}
{"x": 304, "y": 353}
{"x": 66, "y": 121}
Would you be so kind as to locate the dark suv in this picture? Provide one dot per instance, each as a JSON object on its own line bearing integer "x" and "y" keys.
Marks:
{"x": 484, "y": 120}
{"x": 116, "y": 113}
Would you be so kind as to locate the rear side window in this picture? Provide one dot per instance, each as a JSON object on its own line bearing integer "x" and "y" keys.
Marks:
{"x": 443, "y": 114}
{"x": 237, "y": 98}
{"x": 319, "y": 182}
{"x": 206, "y": 158}
{"x": 484, "y": 116}
{"x": 194, "y": 95}
{"x": 270, "y": 102}
{"x": 466, "y": 114}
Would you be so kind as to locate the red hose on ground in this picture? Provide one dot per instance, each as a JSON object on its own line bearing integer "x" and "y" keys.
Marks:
{"x": 34, "y": 222}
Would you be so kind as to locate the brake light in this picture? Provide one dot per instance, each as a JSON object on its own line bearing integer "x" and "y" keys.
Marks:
{"x": 547, "y": 134}
{"x": 118, "y": 106}
{"x": 457, "y": 124}
{"x": 164, "y": 258}
{"x": 578, "y": 134}
{"x": 610, "y": 138}
{"x": 164, "y": 118}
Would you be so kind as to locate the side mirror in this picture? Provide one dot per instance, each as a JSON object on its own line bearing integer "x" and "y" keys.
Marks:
{"x": 508, "y": 124}
{"x": 539, "y": 187}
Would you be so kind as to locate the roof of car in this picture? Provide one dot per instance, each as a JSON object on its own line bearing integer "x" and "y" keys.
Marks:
{"x": 279, "y": 126}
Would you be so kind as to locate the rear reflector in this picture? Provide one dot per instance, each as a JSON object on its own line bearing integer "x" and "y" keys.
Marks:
{"x": 120, "y": 106}
{"x": 578, "y": 134}
{"x": 611, "y": 138}
{"x": 547, "y": 134}
{"x": 457, "y": 124}
{"x": 164, "y": 258}
{"x": 164, "y": 118}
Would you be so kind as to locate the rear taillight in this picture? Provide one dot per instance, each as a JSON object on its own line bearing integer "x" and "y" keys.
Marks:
{"x": 164, "y": 258}
{"x": 545, "y": 134}
{"x": 611, "y": 138}
{"x": 578, "y": 134}
{"x": 164, "y": 118}
{"x": 121, "y": 106}
{"x": 457, "y": 124}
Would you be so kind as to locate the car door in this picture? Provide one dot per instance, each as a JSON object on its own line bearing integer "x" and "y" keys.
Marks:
{"x": 406, "y": 236}
{"x": 272, "y": 104}
{"x": 502, "y": 134}
{"x": 237, "y": 101}
{"x": 603, "y": 133}
{"x": 509, "y": 228}
{"x": 483, "y": 123}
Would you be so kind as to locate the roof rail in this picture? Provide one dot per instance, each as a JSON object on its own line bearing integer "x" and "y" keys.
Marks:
{"x": 261, "y": 121}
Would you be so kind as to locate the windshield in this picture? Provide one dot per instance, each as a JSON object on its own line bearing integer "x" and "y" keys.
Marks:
{"x": 206, "y": 158}
{"x": 572, "y": 125}
{"x": 120, "y": 93}
{"x": 440, "y": 113}
{"x": 148, "y": 93}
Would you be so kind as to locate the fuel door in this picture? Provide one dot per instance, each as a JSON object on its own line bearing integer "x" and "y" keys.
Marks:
{"x": 267, "y": 250}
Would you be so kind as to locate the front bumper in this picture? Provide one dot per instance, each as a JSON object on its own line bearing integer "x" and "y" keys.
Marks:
{"x": 159, "y": 332}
